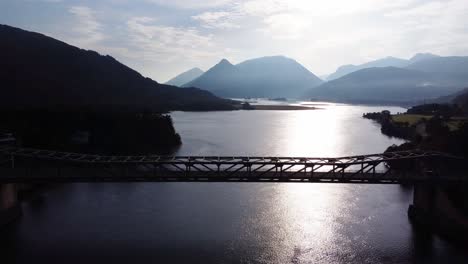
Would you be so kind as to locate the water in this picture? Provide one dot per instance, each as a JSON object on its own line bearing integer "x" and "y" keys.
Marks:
{"x": 333, "y": 130}
{"x": 236, "y": 222}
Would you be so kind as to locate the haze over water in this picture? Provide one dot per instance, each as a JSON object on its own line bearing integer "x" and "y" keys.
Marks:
{"x": 238, "y": 222}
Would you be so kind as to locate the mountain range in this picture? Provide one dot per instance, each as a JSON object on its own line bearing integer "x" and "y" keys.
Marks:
{"x": 41, "y": 72}
{"x": 427, "y": 77}
{"x": 384, "y": 62}
{"x": 424, "y": 76}
{"x": 37, "y": 71}
{"x": 385, "y": 85}
{"x": 275, "y": 76}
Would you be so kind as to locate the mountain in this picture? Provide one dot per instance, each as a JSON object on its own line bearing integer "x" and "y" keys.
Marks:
{"x": 185, "y": 77}
{"x": 385, "y": 62}
{"x": 37, "y": 71}
{"x": 387, "y": 84}
{"x": 275, "y": 76}
{"x": 220, "y": 79}
{"x": 455, "y": 65}
{"x": 422, "y": 56}
{"x": 451, "y": 70}
{"x": 324, "y": 76}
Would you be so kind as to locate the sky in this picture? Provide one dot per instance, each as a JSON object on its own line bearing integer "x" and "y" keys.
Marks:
{"x": 161, "y": 39}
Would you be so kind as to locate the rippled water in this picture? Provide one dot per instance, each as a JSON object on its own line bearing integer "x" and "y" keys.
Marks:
{"x": 237, "y": 222}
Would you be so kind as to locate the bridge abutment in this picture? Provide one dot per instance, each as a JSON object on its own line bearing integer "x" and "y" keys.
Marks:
{"x": 433, "y": 210}
{"x": 10, "y": 208}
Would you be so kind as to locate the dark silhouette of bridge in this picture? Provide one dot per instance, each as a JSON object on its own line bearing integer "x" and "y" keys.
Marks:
{"x": 34, "y": 165}
{"x": 428, "y": 172}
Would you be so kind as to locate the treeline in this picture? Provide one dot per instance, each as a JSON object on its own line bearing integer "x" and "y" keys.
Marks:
{"x": 431, "y": 133}
{"x": 92, "y": 132}
{"x": 439, "y": 137}
{"x": 390, "y": 128}
{"x": 442, "y": 110}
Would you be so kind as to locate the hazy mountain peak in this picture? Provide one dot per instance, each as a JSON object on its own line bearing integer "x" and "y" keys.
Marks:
{"x": 185, "y": 77}
{"x": 271, "y": 58}
{"x": 268, "y": 60}
{"x": 222, "y": 65}
{"x": 224, "y": 62}
{"x": 422, "y": 56}
{"x": 195, "y": 69}
{"x": 223, "y": 68}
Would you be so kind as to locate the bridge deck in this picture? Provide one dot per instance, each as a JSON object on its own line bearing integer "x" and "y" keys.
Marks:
{"x": 28, "y": 165}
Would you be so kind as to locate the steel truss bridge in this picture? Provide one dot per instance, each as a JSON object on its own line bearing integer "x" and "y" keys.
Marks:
{"x": 34, "y": 165}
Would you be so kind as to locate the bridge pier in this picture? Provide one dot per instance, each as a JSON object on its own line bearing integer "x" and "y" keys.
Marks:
{"x": 10, "y": 208}
{"x": 422, "y": 210}
{"x": 433, "y": 210}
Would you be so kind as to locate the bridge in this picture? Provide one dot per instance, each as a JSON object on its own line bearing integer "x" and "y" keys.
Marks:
{"x": 33, "y": 165}
{"x": 427, "y": 171}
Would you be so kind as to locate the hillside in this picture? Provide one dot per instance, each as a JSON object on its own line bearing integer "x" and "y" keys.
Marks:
{"x": 41, "y": 72}
{"x": 388, "y": 84}
{"x": 275, "y": 76}
{"x": 185, "y": 77}
{"x": 462, "y": 100}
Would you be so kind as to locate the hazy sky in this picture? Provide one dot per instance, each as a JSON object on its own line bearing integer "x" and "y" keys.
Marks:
{"x": 163, "y": 38}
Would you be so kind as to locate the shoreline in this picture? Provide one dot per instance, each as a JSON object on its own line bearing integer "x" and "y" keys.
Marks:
{"x": 283, "y": 107}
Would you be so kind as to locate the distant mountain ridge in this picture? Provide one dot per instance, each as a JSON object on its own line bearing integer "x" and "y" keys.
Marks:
{"x": 274, "y": 76}
{"x": 424, "y": 77}
{"x": 384, "y": 62}
{"x": 37, "y": 71}
{"x": 451, "y": 65}
{"x": 387, "y": 84}
{"x": 185, "y": 77}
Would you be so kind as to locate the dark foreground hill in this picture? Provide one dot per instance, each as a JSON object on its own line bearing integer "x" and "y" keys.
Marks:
{"x": 37, "y": 71}
{"x": 275, "y": 76}
{"x": 56, "y": 96}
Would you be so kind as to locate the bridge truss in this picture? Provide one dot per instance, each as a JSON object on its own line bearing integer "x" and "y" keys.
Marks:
{"x": 33, "y": 165}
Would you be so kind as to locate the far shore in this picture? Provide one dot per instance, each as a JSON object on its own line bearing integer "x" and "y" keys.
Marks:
{"x": 282, "y": 107}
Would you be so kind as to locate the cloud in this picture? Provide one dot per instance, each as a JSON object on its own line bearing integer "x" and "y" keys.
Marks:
{"x": 290, "y": 19}
{"x": 221, "y": 19}
{"x": 161, "y": 38}
{"x": 285, "y": 26}
{"x": 317, "y": 8}
{"x": 167, "y": 43}
{"x": 440, "y": 26}
{"x": 191, "y": 4}
{"x": 87, "y": 30}
{"x": 46, "y": 1}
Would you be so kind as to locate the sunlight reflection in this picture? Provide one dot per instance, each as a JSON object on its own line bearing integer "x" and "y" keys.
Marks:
{"x": 311, "y": 212}
{"x": 313, "y": 133}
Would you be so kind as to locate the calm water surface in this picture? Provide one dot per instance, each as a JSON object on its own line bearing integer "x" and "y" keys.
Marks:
{"x": 237, "y": 222}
